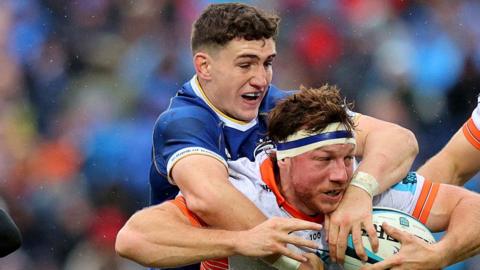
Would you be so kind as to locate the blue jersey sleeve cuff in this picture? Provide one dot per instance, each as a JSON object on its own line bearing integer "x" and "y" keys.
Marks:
{"x": 182, "y": 153}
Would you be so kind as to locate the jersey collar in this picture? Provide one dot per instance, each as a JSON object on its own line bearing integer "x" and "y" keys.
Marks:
{"x": 229, "y": 121}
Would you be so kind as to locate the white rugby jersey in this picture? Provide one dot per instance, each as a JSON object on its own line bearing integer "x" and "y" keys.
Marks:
{"x": 471, "y": 128}
{"x": 413, "y": 195}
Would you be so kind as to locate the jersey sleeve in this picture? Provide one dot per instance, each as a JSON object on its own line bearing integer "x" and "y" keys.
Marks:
{"x": 471, "y": 128}
{"x": 181, "y": 204}
{"x": 414, "y": 195}
{"x": 182, "y": 132}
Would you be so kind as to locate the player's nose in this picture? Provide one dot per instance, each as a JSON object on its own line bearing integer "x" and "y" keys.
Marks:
{"x": 259, "y": 78}
{"x": 338, "y": 171}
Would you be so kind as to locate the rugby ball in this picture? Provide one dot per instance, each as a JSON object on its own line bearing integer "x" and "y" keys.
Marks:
{"x": 387, "y": 245}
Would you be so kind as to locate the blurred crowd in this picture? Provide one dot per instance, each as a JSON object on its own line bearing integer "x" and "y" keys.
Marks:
{"x": 83, "y": 81}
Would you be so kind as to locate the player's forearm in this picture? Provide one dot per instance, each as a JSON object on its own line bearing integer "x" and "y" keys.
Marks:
{"x": 461, "y": 240}
{"x": 442, "y": 169}
{"x": 173, "y": 253}
{"x": 156, "y": 238}
{"x": 210, "y": 195}
{"x": 226, "y": 208}
{"x": 388, "y": 154}
{"x": 455, "y": 164}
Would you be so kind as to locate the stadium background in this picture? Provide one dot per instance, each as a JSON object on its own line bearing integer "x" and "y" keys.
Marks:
{"x": 82, "y": 82}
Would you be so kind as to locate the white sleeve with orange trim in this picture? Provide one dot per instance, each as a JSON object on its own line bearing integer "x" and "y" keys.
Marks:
{"x": 212, "y": 264}
{"x": 471, "y": 128}
{"x": 180, "y": 202}
{"x": 413, "y": 195}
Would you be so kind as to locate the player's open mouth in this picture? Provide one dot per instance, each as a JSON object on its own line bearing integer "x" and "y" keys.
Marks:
{"x": 251, "y": 96}
{"x": 333, "y": 193}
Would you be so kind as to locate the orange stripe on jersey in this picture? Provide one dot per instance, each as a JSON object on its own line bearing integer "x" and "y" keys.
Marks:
{"x": 180, "y": 202}
{"x": 472, "y": 133}
{"x": 215, "y": 264}
{"x": 268, "y": 177}
{"x": 421, "y": 199}
{"x": 429, "y": 203}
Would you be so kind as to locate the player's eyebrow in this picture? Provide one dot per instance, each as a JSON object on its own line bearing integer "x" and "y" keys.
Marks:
{"x": 333, "y": 151}
{"x": 255, "y": 57}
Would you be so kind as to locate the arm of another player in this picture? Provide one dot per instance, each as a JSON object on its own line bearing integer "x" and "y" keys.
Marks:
{"x": 455, "y": 164}
{"x": 10, "y": 237}
{"x": 204, "y": 183}
{"x": 387, "y": 152}
{"x": 163, "y": 236}
{"x": 455, "y": 210}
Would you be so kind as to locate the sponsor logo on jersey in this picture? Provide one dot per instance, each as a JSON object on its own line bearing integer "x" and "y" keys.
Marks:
{"x": 411, "y": 178}
{"x": 263, "y": 145}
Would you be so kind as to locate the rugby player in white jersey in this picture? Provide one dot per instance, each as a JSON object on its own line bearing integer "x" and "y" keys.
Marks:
{"x": 305, "y": 178}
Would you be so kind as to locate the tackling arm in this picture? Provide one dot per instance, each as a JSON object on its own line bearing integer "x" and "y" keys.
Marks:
{"x": 204, "y": 182}
{"x": 163, "y": 236}
{"x": 387, "y": 150}
{"x": 160, "y": 236}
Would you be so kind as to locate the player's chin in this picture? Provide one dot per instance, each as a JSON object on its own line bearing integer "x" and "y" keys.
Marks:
{"x": 328, "y": 208}
{"x": 247, "y": 115}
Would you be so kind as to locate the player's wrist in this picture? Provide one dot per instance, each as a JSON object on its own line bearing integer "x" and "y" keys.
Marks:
{"x": 445, "y": 256}
{"x": 366, "y": 182}
{"x": 238, "y": 244}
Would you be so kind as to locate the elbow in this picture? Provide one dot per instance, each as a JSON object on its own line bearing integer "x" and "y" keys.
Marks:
{"x": 408, "y": 139}
{"x": 204, "y": 205}
{"x": 129, "y": 245}
{"x": 123, "y": 244}
{"x": 412, "y": 142}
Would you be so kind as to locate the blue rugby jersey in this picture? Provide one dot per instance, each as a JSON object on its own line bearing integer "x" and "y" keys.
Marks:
{"x": 192, "y": 125}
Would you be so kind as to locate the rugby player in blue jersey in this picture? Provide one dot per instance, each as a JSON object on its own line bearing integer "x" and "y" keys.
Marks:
{"x": 218, "y": 118}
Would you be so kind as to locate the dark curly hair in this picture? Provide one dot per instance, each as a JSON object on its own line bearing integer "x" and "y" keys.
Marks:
{"x": 220, "y": 23}
{"x": 310, "y": 109}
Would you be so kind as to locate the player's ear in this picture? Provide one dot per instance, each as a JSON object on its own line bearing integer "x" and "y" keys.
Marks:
{"x": 283, "y": 163}
{"x": 202, "y": 64}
